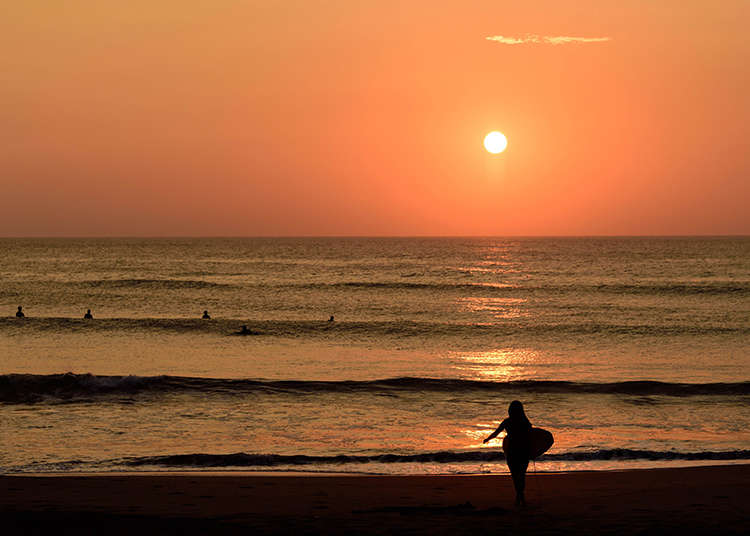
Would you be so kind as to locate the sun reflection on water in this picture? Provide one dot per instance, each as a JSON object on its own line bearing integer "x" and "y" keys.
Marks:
{"x": 477, "y": 434}
{"x": 503, "y": 364}
{"x": 498, "y": 307}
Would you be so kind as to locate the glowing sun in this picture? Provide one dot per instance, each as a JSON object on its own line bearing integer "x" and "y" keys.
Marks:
{"x": 495, "y": 142}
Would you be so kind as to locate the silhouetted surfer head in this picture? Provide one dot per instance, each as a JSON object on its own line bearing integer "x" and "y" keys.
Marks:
{"x": 515, "y": 410}
{"x": 19, "y": 313}
{"x": 88, "y": 315}
{"x": 517, "y": 414}
{"x": 206, "y": 316}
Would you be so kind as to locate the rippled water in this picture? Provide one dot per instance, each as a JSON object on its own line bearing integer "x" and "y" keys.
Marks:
{"x": 630, "y": 350}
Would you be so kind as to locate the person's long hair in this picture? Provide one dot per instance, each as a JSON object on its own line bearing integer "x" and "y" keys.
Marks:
{"x": 517, "y": 414}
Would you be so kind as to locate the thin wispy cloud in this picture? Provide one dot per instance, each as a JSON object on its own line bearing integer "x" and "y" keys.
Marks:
{"x": 545, "y": 39}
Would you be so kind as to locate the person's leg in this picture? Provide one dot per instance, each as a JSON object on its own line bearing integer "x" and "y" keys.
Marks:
{"x": 518, "y": 468}
{"x": 521, "y": 486}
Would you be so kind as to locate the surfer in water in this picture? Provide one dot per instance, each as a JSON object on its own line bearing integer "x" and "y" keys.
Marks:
{"x": 19, "y": 313}
{"x": 88, "y": 315}
{"x": 516, "y": 446}
{"x": 206, "y": 316}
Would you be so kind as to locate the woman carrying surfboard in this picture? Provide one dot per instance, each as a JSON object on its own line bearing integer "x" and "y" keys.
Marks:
{"x": 521, "y": 444}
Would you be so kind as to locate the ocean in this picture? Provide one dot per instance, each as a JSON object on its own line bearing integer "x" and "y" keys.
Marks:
{"x": 633, "y": 352}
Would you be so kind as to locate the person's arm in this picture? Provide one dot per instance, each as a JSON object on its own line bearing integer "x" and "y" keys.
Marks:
{"x": 493, "y": 435}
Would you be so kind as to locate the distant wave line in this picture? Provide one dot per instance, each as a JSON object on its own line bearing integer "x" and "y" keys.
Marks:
{"x": 725, "y": 287}
{"x": 170, "y": 284}
{"x": 364, "y": 329}
{"x": 488, "y": 287}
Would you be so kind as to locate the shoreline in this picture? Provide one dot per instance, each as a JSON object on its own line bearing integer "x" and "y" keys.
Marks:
{"x": 692, "y": 500}
{"x": 305, "y": 473}
{"x": 630, "y": 465}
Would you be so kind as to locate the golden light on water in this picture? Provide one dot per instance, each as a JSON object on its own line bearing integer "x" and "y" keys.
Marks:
{"x": 498, "y": 307}
{"x": 497, "y": 365}
{"x": 481, "y": 430}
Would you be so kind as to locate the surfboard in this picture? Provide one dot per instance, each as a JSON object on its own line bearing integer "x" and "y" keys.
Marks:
{"x": 540, "y": 441}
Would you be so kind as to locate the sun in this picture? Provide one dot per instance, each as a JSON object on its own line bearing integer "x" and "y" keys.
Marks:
{"x": 495, "y": 142}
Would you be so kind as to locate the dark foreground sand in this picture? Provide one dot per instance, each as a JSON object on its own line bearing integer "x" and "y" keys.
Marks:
{"x": 700, "y": 500}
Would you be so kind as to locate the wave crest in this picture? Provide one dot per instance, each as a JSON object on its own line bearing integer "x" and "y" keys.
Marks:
{"x": 33, "y": 388}
{"x": 241, "y": 459}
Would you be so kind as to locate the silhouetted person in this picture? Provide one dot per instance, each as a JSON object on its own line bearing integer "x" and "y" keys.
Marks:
{"x": 244, "y": 331}
{"x": 19, "y": 313}
{"x": 206, "y": 316}
{"x": 88, "y": 315}
{"x": 517, "y": 446}
{"x": 331, "y": 319}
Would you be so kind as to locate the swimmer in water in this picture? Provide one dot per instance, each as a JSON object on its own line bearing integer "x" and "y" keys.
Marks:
{"x": 19, "y": 313}
{"x": 331, "y": 319}
{"x": 206, "y": 316}
{"x": 88, "y": 315}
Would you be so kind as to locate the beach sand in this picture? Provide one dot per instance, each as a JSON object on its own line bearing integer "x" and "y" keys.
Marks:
{"x": 697, "y": 500}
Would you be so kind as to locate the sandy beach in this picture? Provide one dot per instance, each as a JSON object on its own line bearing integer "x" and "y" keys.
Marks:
{"x": 698, "y": 500}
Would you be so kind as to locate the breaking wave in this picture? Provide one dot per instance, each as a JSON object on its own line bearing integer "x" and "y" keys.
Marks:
{"x": 494, "y": 455}
{"x": 52, "y": 388}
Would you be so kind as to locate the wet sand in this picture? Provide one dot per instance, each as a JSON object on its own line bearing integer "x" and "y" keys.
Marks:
{"x": 698, "y": 500}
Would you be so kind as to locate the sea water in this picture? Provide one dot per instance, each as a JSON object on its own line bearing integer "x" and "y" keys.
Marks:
{"x": 633, "y": 352}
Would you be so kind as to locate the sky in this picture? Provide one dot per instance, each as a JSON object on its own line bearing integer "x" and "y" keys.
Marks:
{"x": 342, "y": 117}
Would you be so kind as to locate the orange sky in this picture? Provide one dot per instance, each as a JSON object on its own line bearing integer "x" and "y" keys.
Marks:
{"x": 346, "y": 117}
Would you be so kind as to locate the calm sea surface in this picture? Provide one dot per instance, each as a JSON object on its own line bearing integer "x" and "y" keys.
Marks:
{"x": 631, "y": 351}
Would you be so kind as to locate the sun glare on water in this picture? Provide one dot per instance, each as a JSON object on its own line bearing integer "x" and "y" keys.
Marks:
{"x": 495, "y": 142}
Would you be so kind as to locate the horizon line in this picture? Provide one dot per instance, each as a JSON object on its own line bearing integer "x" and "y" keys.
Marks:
{"x": 72, "y": 237}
